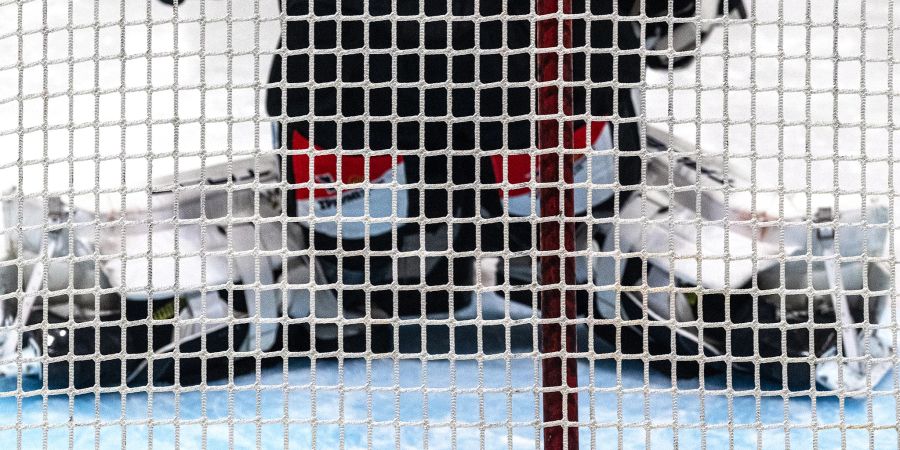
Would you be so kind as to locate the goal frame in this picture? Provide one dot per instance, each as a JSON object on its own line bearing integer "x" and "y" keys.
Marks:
{"x": 556, "y": 234}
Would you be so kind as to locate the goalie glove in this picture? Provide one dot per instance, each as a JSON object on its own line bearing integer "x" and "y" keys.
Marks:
{"x": 665, "y": 24}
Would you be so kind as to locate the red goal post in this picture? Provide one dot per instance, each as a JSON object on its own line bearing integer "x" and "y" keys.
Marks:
{"x": 556, "y": 234}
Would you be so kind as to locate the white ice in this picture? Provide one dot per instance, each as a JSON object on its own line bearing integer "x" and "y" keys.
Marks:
{"x": 76, "y": 142}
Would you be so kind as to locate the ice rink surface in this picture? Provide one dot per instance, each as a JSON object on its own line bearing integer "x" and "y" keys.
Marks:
{"x": 774, "y": 112}
{"x": 405, "y": 391}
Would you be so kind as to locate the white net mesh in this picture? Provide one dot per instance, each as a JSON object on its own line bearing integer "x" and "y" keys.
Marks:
{"x": 313, "y": 224}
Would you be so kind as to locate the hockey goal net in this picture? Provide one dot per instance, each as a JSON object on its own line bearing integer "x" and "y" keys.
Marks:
{"x": 367, "y": 223}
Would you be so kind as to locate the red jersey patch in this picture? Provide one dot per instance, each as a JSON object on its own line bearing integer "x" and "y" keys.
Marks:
{"x": 325, "y": 168}
{"x": 518, "y": 166}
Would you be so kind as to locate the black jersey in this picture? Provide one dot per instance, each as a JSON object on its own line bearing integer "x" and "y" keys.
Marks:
{"x": 368, "y": 92}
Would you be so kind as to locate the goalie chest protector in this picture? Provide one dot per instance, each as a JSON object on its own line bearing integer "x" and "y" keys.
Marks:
{"x": 356, "y": 161}
{"x": 356, "y": 158}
